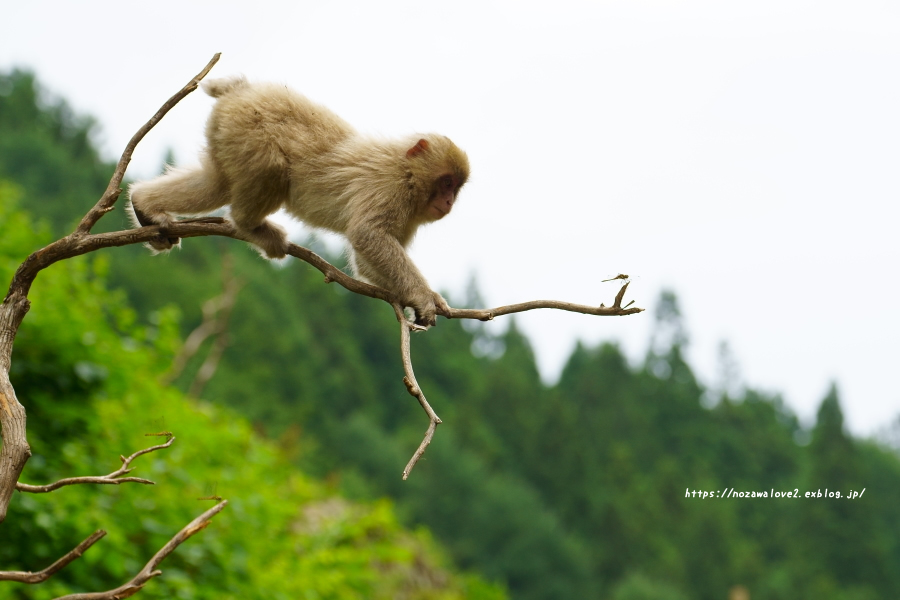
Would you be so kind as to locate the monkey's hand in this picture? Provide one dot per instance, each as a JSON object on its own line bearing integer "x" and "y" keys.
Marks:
{"x": 427, "y": 304}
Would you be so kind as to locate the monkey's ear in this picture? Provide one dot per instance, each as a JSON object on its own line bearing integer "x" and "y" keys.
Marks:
{"x": 420, "y": 147}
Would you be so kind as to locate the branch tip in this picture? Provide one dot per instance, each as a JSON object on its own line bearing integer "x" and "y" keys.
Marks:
{"x": 111, "y": 195}
{"x": 114, "y": 478}
{"x": 150, "y": 570}
{"x": 41, "y": 576}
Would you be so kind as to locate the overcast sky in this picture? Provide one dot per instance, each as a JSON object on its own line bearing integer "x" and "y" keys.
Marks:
{"x": 744, "y": 155}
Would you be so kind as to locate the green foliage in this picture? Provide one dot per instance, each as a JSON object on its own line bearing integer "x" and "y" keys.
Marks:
{"x": 87, "y": 373}
{"x": 639, "y": 587}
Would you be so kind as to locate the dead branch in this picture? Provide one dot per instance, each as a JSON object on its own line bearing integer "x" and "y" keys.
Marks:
{"x": 114, "y": 478}
{"x": 406, "y": 326}
{"x": 41, "y": 576}
{"x": 616, "y": 310}
{"x": 206, "y": 371}
{"x": 208, "y": 226}
{"x": 218, "y": 226}
{"x": 209, "y": 366}
{"x": 412, "y": 386}
{"x": 483, "y": 315}
{"x": 15, "y": 450}
{"x": 106, "y": 202}
{"x": 216, "y": 312}
{"x": 150, "y": 571}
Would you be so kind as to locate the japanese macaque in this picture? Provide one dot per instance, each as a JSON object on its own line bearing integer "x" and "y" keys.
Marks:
{"x": 269, "y": 147}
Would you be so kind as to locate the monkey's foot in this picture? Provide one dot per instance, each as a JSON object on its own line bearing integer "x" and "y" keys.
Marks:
{"x": 271, "y": 239}
{"x": 163, "y": 242}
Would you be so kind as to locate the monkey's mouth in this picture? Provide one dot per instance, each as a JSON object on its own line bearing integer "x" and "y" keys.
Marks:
{"x": 437, "y": 212}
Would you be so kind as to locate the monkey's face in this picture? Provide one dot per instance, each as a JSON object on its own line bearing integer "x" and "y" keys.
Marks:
{"x": 442, "y": 198}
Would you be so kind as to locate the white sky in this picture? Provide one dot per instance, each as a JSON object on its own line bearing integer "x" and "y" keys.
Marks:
{"x": 743, "y": 154}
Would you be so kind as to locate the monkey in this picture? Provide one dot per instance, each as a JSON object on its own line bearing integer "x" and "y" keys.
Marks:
{"x": 268, "y": 147}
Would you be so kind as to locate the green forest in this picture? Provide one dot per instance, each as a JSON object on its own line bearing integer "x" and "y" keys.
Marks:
{"x": 582, "y": 489}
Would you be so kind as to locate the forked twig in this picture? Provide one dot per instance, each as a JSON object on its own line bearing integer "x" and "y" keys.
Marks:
{"x": 150, "y": 571}
{"x": 616, "y": 310}
{"x": 216, "y": 313}
{"x": 412, "y": 386}
{"x": 108, "y": 200}
{"x": 114, "y": 478}
{"x": 42, "y": 576}
{"x": 406, "y": 326}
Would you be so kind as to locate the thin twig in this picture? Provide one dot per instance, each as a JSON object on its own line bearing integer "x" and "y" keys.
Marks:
{"x": 616, "y": 310}
{"x": 108, "y": 200}
{"x": 114, "y": 478}
{"x": 412, "y": 386}
{"x": 150, "y": 571}
{"x": 224, "y": 306}
{"x": 406, "y": 326}
{"x": 216, "y": 312}
{"x": 41, "y": 576}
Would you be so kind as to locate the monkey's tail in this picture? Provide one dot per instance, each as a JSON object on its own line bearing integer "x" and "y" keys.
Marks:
{"x": 220, "y": 87}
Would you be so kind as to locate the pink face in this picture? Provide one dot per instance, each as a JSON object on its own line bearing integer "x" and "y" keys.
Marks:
{"x": 441, "y": 203}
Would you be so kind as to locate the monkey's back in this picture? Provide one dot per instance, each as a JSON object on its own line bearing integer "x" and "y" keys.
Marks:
{"x": 270, "y": 128}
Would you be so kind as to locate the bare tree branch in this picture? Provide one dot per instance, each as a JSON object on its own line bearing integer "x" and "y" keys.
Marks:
{"x": 224, "y": 306}
{"x": 209, "y": 366}
{"x": 221, "y": 227}
{"x": 412, "y": 386}
{"x": 150, "y": 571}
{"x": 216, "y": 312}
{"x": 218, "y": 226}
{"x": 616, "y": 310}
{"x": 106, "y": 202}
{"x": 114, "y": 478}
{"x": 41, "y": 576}
{"x": 15, "y": 451}
{"x": 406, "y": 326}
{"x": 332, "y": 273}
